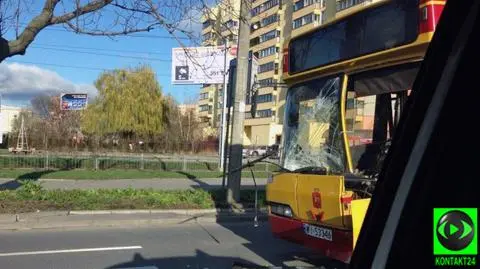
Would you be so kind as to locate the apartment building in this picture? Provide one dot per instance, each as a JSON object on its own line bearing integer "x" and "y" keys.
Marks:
{"x": 219, "y": 25}
{"x": 307, "y": 14}
{"x": 266, "y": 42}
{"x": 7, "y": 115}
{"x": 268, "y": 21}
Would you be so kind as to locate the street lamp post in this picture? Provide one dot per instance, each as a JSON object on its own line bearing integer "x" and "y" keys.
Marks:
{"x": 224, "y": 108}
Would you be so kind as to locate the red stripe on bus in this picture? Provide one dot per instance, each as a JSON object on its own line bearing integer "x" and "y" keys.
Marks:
{"x": 433, "y": 13}
{"x": 340, "y": 248}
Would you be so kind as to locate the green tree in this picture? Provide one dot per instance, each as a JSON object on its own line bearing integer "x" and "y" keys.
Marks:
{"x": 130, "y": 102}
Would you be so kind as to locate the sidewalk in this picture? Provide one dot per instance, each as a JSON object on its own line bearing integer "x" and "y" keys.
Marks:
{"x": 121, "y": 218}
{"x": 160, "y": 184}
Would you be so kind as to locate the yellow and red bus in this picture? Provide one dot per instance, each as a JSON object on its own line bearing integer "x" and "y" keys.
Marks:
{"x": 348, "y": 81}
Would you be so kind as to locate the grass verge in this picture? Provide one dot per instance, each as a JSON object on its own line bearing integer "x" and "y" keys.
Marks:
{"x": 113, "y": 174}
{"x": 31, "y": 197}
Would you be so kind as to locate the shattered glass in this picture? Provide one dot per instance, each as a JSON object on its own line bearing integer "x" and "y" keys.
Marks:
{"x": 313, "y": 134}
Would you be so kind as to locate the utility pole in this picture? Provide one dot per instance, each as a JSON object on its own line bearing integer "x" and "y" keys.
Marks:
{"x": 223, "y": 135}
{"x": 234, "y": 179}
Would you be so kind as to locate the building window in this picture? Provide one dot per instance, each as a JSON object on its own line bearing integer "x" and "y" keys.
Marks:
{"x": 265, "y": 22}
{"x": 269, "y": 35}
{"x": 208, "y": 36}
{"x": 267, "y": 81}
{"x": 265, "y": 37}
{"x": 307, "y": 19}
{"x": 265, "y": 6}
{"x": 229, "y": 25}
{"x": 264, "y": 98}
{"x": 265, "y": 113}
{"x": 254, "y": 41}
{"x": 203, "y": 95}
{"x": 207, "y": 23}
{"x": 269, "y": 20}
{"x": 266, "y": 67}
{"x": 233, "y": 38}
{"x": 267, "y": 51}
{"x": 344, "y": 4}
{"x": 203, "y": 108}
{"x": 304, "y": 3}
{"x": 350, "y": 103}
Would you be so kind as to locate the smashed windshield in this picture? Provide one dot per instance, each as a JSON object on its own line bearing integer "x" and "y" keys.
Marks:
{"x": 312, "y": 131}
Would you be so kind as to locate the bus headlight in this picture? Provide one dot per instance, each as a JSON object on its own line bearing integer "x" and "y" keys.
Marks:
{"x": 282, "y": 210}
{"x": 287, "y": 211}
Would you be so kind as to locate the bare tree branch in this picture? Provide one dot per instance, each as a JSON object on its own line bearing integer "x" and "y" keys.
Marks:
{"x": 82, "y": 10}
{"x": 41, "y": 21}
{"x": 136, "y": 10}
{"x": 179, "y": 17}
{"x": 125, "y": 31}
{"x": 83, "y": 18}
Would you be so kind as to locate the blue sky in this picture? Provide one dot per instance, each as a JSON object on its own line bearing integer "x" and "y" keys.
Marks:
{"x": 58, "y": 50}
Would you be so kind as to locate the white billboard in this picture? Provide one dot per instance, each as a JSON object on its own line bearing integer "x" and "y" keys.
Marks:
{"x": 200, "y": 65}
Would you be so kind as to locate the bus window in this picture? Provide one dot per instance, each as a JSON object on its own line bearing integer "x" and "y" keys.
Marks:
{"x": 372, "y": 126}
{"x": 375, "y": 101}
{"x": 312, "y": 133}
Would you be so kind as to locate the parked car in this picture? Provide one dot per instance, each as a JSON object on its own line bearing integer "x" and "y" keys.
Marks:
{"x": 259, "y": 151}
{"x": 274, "y": 150}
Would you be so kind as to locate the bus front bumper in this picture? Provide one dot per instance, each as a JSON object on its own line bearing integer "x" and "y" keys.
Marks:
{"x": 339, "y": 248}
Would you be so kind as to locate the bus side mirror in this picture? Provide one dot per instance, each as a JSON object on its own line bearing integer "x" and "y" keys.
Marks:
{"x": 253, "y": 102}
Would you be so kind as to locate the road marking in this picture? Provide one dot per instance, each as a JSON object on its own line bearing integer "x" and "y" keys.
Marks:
{"x": 143, "y": 267}
{"x": 67, "y": 251}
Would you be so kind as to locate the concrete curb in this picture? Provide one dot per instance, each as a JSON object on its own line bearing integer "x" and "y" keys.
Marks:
{"x": 113, "y": 179}
{"x": 185, "y": 212}
{"x": 121, "y": 218}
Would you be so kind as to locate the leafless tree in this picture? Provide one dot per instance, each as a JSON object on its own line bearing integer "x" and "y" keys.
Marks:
{"x": 21, "y": 22}
{"x": 90, "y": 17}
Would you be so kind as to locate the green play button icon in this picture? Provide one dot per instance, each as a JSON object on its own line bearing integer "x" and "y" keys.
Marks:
{"x": 453, "y": 229}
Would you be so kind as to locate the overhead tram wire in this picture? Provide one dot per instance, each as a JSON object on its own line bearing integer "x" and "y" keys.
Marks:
{"x": 97, "y": 49}
{"x": 102, "y": 54}
{"x": 58, "y": 28}
{"x": 76, "y": 67}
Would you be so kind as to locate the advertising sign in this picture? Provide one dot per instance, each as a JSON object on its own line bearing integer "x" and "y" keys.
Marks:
{"x": 73, "y": 101}
{"x": 200, "y": 65}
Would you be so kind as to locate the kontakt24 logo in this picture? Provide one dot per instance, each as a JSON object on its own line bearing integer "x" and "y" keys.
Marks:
{"x": 455, "y": 237}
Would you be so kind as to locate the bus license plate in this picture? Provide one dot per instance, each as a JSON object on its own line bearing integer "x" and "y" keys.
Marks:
{"x": 318, "y": 232}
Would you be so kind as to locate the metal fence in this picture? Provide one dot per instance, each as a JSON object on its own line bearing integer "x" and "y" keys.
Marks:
{"x": 47, "y": 161}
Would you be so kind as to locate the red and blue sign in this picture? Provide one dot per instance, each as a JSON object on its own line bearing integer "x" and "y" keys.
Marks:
{"x": 73, "y": 101}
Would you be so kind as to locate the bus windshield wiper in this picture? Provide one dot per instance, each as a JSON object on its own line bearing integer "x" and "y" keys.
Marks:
{"x": 261, "y": 159}
{"x": 312, "y": 170}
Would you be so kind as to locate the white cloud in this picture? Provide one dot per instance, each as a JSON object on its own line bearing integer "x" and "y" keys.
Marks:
{"x": 22, "y": 82}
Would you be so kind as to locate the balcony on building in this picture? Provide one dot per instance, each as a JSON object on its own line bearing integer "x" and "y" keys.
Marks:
{"x": 207, "y": 25}
{"x": 304, "y": 7}
{"x": 267, "y": 17}
{"x": 345, "y": 7}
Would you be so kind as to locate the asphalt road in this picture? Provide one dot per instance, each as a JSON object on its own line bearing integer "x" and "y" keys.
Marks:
{"x": 161, "y": 184}
{"x": 189, "y": 246}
